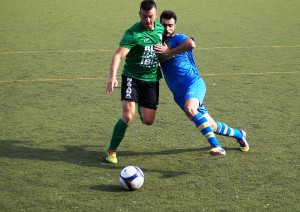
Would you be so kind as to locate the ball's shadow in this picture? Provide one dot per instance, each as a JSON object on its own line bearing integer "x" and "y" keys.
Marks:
{"x": 108, "y": 188}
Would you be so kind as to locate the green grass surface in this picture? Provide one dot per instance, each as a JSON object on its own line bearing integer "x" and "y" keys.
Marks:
{"x": 56, "y": 120}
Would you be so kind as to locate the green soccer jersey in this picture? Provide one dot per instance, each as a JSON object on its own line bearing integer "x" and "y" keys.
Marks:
{"x": 142, "y": 62}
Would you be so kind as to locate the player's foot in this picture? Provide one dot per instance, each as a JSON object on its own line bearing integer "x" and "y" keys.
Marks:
{"x": 218, "y": 150}
{"x": 244, "y": 146}
{"x": 111, "y": 156}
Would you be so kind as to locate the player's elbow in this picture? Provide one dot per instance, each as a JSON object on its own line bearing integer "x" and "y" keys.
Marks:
{"x": 192, "y": 44}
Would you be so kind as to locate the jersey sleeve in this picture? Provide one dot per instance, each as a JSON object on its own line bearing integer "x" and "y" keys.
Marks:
{"x": 128, "y": 40}
{"x": 180, "y": 38}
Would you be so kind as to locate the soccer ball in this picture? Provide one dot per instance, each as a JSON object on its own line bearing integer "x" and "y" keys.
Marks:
{"x": 131, "y": 178}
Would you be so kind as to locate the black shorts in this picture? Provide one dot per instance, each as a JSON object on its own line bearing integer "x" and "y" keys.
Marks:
{"x": 146, "y": 94}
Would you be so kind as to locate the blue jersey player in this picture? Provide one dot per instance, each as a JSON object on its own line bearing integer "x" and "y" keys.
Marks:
{"x": 188, "y": 88}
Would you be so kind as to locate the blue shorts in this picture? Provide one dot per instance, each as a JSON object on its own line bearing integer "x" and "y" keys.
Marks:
{"x": 196, "y": 89}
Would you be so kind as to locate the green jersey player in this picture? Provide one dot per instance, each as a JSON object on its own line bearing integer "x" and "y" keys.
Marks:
{"x": 141, "y": 73}
{"x": 141, "y": 61}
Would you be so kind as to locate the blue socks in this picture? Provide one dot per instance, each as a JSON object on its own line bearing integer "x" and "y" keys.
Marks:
{"x": 224, "y": 129}
{"x": 203, "y": 125}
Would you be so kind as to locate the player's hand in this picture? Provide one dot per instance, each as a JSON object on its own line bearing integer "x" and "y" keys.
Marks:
{"x": 113, "y": 83}
{"x": 161, "y": 49}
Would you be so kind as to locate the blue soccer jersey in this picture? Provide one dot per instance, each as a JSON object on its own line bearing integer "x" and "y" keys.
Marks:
{"x": 181, "y": 73}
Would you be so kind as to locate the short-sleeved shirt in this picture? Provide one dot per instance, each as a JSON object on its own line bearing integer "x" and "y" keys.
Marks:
{"x": 142, "y": 62}
{"x": 181, "y": 70}
{"x": 182, "y": 76}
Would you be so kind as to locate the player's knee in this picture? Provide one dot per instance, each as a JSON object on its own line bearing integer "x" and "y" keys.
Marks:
{"x": 190, "y": 110}
{"x": 127, "y": 118}
{"x": 148, "y": 116}
{"x": 148, "y": 121}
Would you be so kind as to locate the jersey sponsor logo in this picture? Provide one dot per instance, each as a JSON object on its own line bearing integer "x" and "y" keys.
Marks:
{"x": 149, "y": 58}
{"x": 129, "y": 88}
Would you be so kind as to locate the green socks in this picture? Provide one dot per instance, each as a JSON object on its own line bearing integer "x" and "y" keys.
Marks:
{"x": 118, "y": 134}
{"x": 140, "y": 110}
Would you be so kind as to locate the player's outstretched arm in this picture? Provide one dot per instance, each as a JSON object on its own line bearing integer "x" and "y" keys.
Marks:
{"x": 119, "y": 55}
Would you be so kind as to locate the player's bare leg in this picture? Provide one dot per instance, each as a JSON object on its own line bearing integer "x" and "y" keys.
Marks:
{"x": 147, "y": 115}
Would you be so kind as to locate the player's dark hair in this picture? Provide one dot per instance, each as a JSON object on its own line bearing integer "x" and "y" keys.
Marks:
{"x": 168, "y": 14}
{"x": 147, "y": 5}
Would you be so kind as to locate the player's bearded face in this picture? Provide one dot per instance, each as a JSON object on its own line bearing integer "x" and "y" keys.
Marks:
{"x": 170, "y": 26}
{"x": 148, "y": 18}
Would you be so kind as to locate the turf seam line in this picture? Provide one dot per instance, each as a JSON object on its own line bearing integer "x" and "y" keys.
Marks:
{"x": 247, "y": 47}
{"x": 108, "y": 50}
{"x": 102, "y": 78}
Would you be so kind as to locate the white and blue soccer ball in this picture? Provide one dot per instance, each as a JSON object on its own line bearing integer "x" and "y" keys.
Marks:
{"x": 131, "y": 178}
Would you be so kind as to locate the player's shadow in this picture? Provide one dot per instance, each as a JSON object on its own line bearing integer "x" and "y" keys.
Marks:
{"x": 108, "y": 188}
{"x": 71, "y": 154}
{"x": 78, "y": 154}
{"x": 81, "y": 155}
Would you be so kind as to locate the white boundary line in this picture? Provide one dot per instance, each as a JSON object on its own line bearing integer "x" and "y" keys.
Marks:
{"x": 102, "y": 78}
{"x": 248, "y": 47}
{"x": 109, "y": 50}
{"x": 57, "y": 51}
{"x": 99, "y": 50}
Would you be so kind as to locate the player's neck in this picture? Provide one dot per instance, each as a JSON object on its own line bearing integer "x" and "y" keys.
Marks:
{"x": 167, "y": 38}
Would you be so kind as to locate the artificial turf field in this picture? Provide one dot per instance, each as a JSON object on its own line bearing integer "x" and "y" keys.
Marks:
{"x": 56, "y": 120}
